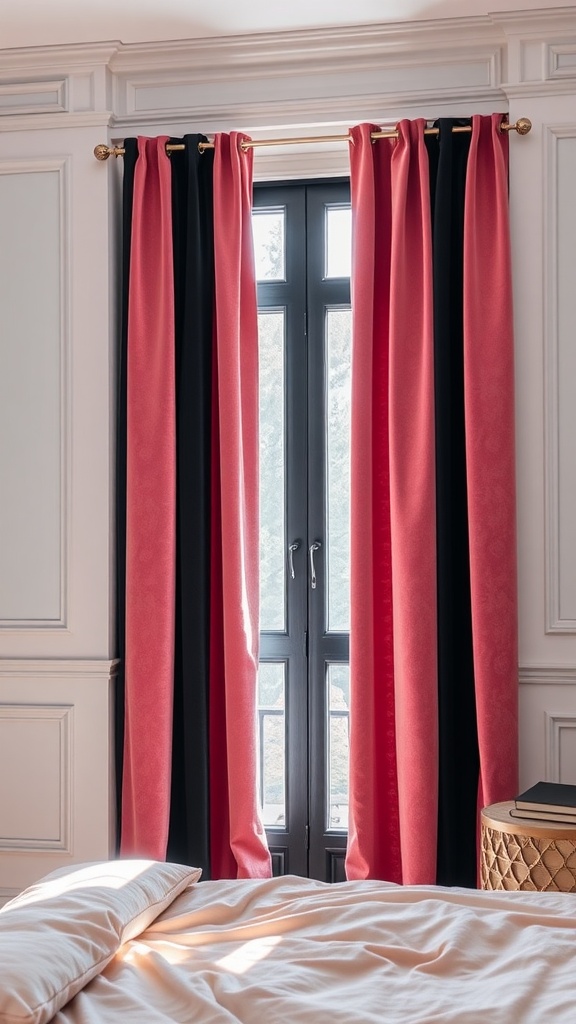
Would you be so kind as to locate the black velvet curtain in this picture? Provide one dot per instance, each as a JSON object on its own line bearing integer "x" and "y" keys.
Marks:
{"x": 189, "y": 837}
{"x": 458, "y": 739}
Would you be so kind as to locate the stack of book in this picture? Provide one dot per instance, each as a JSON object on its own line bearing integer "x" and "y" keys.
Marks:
{"x": 547, "y": 801}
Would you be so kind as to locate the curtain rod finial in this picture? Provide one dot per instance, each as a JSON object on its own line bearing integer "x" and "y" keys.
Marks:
{"x": 523, "y": 125}
{"x": 101, "y": 152}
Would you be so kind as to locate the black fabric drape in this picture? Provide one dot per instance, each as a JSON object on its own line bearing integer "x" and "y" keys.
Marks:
{"x": 458, "y": 739}
{"x": 189, "y": 836}
{"x": 130, "y": 157}
{"x": 193, "y": 251}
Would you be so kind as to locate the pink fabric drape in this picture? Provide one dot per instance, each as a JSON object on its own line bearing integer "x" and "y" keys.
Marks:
{"x": 373, "y": 832}
{"x": 394, "y": 734}
{"x": 243, "y": 851}
{"x": 412, "y": 503}
{"x": 393, "y": 723}
{"x": 489, "y": 408}
{"x": 238, "y": 841}
{"x": 150, "y": 516}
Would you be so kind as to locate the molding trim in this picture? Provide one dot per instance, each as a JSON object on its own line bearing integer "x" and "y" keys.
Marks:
{"x": 539, "y": 22}
{"x": 284, "y": 62}
{"x": 17, "y": 98}
{"x": 282, "y": 165}
{"x": 35, "y": 668}
{"x": 555, "y": 726}
{"x": 547, "y": 675}
{"x": 555, "y": 621}
{"x": 327, "y": 113}
{"x": 363, "y": 75}
{"x": 45, "y": 60}
{"x": 535, "y": 90}
{"x": 366, "y": 43}
{"x": 61, "y": 167}
{"x": 399, "y": 57}
{"x": 64, "y": 716}
{"x": 49, "y": 122}
{"x": 562, "y": 61}
{"x": 360, "y": 45}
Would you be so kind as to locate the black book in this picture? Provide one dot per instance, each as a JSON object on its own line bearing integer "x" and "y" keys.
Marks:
{"x": 543, "y": 816}
{"x": 548, "y": 796}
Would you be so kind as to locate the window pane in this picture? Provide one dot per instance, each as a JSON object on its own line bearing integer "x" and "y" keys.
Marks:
{"x": 269, "y": 245}
{"x": 272, "y": 470}
{"x": 272, "y": 742}
{"x": 338, "y": 241}
{"x": 338, "y": 353}
{"x": 338, "y": 703}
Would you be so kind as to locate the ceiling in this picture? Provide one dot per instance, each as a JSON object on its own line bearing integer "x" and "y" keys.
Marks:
{"x": 42, "y": 22}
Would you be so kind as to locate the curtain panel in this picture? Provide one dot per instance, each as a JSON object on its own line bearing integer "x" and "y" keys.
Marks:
{"x": 433, "y": 642}
{"x": 188, "y": 509}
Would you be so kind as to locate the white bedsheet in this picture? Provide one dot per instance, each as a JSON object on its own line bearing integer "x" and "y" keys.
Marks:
{"x": 293, "y": 950}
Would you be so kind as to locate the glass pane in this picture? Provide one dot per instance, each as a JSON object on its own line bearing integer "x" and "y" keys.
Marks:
{"x": 338, "y": 241}
{"x": 272, "y": 470}
{"x": 338, "y": 382}
{"x": 269, "y": 248}
{"x": 272, "y": 743}
{"x": 338, "y": 703}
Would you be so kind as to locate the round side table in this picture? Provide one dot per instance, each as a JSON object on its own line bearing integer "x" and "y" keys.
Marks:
{"x": 525, "y": 853}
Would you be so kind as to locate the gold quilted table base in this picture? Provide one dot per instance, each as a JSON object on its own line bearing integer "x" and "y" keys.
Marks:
{"x": 526, "y": 853}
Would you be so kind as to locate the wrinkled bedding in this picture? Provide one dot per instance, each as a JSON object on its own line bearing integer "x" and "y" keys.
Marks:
{"x": 295, "y": 950}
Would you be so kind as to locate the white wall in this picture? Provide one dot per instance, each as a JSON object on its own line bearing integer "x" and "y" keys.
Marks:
{"x": 56, "y": 431}
{"x": 59, "y": 212}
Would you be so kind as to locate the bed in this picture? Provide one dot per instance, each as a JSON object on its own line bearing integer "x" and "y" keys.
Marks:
{"x": 140, "y": 942}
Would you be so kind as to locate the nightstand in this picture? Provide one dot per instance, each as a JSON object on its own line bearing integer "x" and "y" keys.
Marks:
{"x": 525, "y": 853}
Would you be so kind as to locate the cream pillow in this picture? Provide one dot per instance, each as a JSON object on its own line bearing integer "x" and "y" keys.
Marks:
{"x": 61, "y": 932}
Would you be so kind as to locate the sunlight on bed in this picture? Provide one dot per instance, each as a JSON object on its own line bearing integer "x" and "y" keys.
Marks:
{"x": 97, "y": 875}
{"x": 249, "y": 953}
{"x": 238, "y": 961}
{"x": 135, "y": 951}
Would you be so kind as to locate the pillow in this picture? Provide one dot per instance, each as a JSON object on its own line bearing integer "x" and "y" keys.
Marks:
{"x": 61, "y": 932}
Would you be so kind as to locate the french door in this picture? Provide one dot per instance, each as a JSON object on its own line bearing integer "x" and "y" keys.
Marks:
{"x": 302, "y": 249}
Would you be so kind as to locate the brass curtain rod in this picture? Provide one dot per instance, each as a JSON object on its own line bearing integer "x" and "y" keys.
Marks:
{"x": 522, "y": 126}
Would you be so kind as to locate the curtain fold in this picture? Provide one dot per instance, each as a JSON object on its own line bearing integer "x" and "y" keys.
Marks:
{"x": 489, "y": 386}
{"x": 191, "y": 566}
{"x": 412, "y": 501}
{"x": 432, "y": 512}
{"x": 130, "y": 157}
{"x": 373, "y": 833}
{"x": 458, "y": 740}
{"x": 150, "y": 511}
{"x": 234, "y": 728}
{"x": 193, "y": 242}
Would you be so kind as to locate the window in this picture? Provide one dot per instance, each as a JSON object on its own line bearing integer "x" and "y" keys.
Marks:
{"x": 302, "y": 251}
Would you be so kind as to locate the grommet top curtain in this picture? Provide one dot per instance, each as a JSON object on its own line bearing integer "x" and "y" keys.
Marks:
{"x": 188, "y": 509}
{"x": 433, "y": 648}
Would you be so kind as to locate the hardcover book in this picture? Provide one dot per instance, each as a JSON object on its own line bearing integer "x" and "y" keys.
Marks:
{"x": 554, "y": 817}
{"x": 548, "y": 796}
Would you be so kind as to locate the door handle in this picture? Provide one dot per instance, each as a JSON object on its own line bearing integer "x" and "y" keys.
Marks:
{"x": 313, "y": 547}
{"x": 291, "y": 549}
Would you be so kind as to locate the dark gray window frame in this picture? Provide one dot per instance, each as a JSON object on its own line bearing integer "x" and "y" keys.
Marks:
{"x": 304, "y": 846}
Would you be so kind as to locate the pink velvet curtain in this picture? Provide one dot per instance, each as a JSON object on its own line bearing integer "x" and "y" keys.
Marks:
{"x": 489, "y": 383}
{"x": 238, "y": 843}
{"x": 150, "y": 510}
{"x": 394, "y": 730}
{"x": 240, "y": 846}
